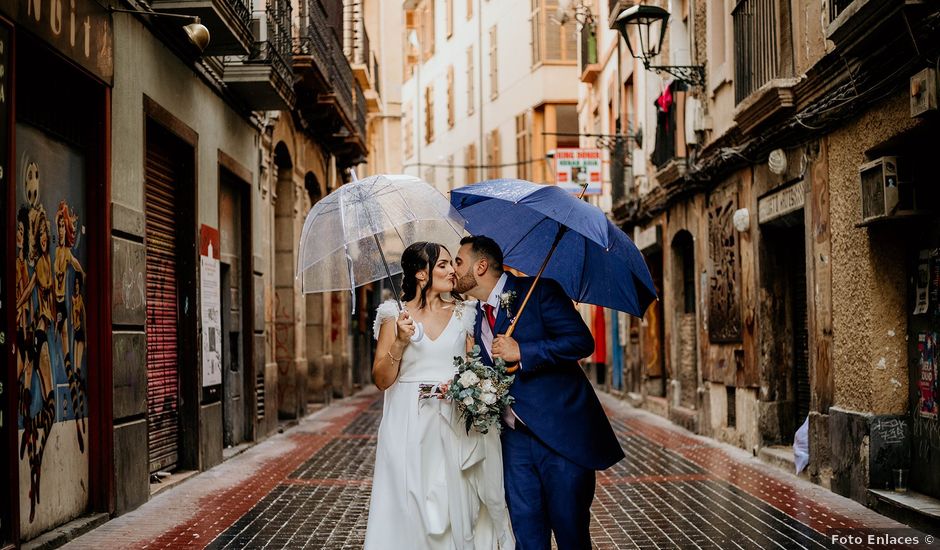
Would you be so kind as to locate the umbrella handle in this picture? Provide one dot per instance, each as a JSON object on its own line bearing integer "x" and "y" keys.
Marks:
{"x": 389, "y": 274}
{"x": 558, "y": 236}
{"x": 538, "y": 276}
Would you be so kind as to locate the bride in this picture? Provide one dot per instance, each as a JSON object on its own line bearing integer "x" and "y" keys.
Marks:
{"x": 435, "y": 486}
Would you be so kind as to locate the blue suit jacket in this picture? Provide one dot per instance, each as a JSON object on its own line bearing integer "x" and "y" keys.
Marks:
{"x": 553, "y": 396}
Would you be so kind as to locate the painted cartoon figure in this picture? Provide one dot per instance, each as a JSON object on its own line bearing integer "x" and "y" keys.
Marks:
{"x": 42, "y": 281}
{"x": 31, "y": 188}
{"x": 24, "y": 311}
{"x": 66, "y": 237}
{"x": 78, "y": 334}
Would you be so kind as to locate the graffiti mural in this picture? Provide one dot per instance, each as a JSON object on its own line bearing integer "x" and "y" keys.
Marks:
{"x": 724, "y": 302}
{"x": 50, "y": 308}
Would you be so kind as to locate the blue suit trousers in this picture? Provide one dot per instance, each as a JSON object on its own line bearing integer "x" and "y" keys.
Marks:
{"x": 545, "y": 491}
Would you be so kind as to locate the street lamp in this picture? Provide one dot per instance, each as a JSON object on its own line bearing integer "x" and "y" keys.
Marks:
{"x": 650, "y": 24}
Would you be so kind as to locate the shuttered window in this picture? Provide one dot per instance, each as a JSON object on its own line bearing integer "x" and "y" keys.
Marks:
{"x": 493, "y": 155}
{"x": 471, "y": 161}
{"x": 451, "y": 109}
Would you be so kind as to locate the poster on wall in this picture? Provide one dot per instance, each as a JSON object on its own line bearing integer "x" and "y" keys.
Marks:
{"x": 51, "y": 257}
{"x": 927, "y": 405}
{"x": 922, "y": 294}
{"x": 210, "y": 286}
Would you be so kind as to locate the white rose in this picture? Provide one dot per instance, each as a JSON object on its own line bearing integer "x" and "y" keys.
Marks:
{"x": 469, "y": 378}
{"x": 468, "y": 401}
{"x": 488, "y": 386}
{"x": 488, "y": 398}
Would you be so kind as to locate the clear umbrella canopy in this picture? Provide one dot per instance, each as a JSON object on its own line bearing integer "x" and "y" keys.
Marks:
{"x": 356, "y": 234}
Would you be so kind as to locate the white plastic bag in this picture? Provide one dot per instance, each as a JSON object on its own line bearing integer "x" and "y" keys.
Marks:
{"x": 801, "y": 446}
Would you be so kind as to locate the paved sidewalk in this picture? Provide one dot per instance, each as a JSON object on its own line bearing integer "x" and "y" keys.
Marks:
{"x": 309, "y": 488}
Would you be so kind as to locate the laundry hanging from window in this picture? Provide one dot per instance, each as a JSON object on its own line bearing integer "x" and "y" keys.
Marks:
{"x": 666, "y": 106}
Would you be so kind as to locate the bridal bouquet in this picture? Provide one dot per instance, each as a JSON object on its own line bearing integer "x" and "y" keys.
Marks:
{"x": 480, "y": 392}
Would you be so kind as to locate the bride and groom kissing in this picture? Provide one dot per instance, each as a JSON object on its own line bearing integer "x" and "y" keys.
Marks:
{"x": 437, "y": 485}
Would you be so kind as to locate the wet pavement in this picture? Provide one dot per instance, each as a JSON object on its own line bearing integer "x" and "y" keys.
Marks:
{"x": 309, "y": 488}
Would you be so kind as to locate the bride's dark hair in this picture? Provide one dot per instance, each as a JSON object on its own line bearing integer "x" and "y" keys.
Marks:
{"x": 418, "y": 256}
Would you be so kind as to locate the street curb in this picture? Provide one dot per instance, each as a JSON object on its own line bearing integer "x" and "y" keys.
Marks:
{"x": 66, "y": 533}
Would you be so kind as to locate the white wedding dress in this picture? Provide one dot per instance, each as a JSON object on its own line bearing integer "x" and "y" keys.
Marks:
{"x": 435, "y": 486}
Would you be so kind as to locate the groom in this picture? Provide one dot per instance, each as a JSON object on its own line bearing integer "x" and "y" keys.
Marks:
{"x": 556, "y": 434}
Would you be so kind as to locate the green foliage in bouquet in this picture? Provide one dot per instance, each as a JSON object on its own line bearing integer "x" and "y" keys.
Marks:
{"x": 479, "y": 391}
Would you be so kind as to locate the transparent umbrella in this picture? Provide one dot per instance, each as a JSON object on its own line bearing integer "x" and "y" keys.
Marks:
{"x": 356, "y": 234}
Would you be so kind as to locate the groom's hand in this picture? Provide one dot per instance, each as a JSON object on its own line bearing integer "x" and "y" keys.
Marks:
{"x": 506, "y": 348}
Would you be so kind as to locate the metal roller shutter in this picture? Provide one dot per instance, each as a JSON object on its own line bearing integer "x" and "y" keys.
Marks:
{"x": 162, "y": 308}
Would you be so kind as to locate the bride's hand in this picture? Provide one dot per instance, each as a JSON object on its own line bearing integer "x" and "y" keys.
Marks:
{"x": 406, "y": 328}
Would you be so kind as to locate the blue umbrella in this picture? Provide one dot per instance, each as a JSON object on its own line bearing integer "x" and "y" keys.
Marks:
{"x": 594, "y": 261}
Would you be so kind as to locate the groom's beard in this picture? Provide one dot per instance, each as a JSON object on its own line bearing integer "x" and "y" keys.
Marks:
{"x": 466, "y": 283}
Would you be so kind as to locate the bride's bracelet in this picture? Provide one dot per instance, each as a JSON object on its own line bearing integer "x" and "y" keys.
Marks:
{"x": 393, "y": 358}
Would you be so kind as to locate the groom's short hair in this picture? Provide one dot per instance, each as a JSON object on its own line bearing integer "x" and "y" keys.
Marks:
{"x": 481, "y": 245}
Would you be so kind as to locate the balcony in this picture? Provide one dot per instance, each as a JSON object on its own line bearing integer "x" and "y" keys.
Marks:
{"x": 365, "y": 66}
{"x": 264, "y": 78}
{"x": 755, "y": 46}
{"x": 229, "y": 21}
{"x": 331, "y": 98}
{"x": 590, "y": 68}
{"x": 862, "y": 25}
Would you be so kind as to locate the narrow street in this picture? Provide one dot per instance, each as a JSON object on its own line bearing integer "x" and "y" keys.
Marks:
{"x": 308, "y": 487}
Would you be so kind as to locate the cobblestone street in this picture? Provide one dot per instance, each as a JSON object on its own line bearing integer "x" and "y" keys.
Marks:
{"x": 309, "y": 488}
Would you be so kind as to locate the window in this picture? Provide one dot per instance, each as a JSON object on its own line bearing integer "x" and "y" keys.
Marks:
{"x": 494, "y": 81}
{"x": 718, "y": 42}
{"x": 524, "y": 145}
{"x": 535, "y": 21}
{"x": 451, "y": 111}
{"x": 407, "y": 123}
{"x": 566, "y": 124}
{"x": 429, "y": 114}
{"x": 470, "y": 161}
{"x": 629, "y": 125}
{"x": 426, "y": 30}
{"x": 411, "y": 56}
{"x": 551, "y": 41}
{"x": 493, "y": 155}
{"x": 470, "y": 77}
{"x": 450, "y": 18}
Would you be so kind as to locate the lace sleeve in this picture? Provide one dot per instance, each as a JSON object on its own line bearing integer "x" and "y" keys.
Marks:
{"x": 388, "y": 310}
{"x": 467, "y": 313}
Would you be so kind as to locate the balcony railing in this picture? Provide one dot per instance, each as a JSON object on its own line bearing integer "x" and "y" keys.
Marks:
{"x": 588, "y": 45}
{"x": 361, "y": 49}
{"x": 230, "y": 21}
{"x": 360, "y": 111}
{"x": 327, "y": 75}
{"x": 265, "y": 77}
{"x": 375, "y": 76}
{"x": 755, "y": 46}
{"x": 589, "y": 63}
{"x": 836, "y": 7}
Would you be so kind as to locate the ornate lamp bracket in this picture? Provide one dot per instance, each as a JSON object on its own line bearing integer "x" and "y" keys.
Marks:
{"x": 693, "y": 75}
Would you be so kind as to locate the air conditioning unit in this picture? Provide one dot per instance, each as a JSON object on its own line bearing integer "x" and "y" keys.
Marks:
{"x": 886, "y": 191}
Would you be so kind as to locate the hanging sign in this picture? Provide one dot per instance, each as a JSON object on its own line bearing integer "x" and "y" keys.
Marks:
{"x": 576, "y": 167}
{"x": 79, "y": 29}
{"x": 781, "y": 203}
